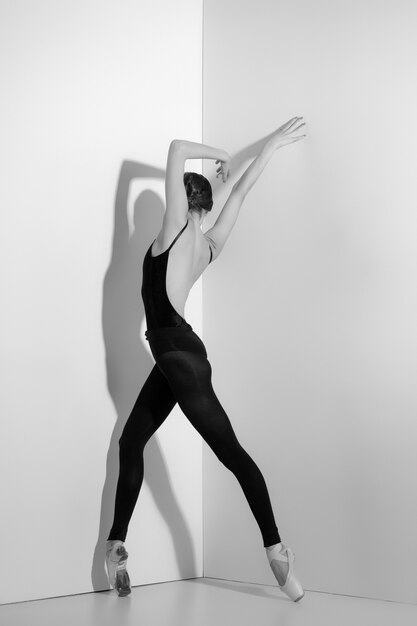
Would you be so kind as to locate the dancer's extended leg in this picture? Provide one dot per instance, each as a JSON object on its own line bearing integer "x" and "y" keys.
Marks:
{"x": 154, "y": 403}
{"x": 189, "y": 375}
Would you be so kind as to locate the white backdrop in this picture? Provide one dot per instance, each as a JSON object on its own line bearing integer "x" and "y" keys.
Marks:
{"x": 309, "y": 313}
{"x": 314, "y": 294}
{"x": 92, "y": 94}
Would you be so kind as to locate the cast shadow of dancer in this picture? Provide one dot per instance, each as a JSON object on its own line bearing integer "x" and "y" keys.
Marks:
{"x": 128, "y": 362}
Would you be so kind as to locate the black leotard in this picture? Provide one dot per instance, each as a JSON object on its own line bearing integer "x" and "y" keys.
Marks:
{"x": 158, "y": 309}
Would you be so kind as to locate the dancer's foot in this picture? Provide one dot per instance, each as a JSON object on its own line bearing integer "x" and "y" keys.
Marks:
{"x": 281, "y": 560}
{"x": 116, "y": 557}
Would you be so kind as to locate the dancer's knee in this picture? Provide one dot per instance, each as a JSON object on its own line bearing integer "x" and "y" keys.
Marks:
{"x": 138, "y": 428}
{"x": 229, "y": 452}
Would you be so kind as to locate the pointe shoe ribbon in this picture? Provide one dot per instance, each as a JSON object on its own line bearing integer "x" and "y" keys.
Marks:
{"x": 116, "y": 550}
{"x": 292, "y": 587}
{"x": 116, "y": 557}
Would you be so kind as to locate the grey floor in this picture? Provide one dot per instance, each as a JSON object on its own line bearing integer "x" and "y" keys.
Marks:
{"x": 207, "y": 602}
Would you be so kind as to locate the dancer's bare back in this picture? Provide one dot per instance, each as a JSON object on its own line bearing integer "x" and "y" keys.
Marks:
{"x": 187, "y": 259}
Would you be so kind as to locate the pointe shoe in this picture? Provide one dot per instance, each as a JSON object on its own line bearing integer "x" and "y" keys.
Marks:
{"x": 116, "y": 557}
{"x": 292, "y": 587}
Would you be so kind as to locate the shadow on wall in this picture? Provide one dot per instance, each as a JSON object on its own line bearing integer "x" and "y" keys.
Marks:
{"x": 128, "y": 363}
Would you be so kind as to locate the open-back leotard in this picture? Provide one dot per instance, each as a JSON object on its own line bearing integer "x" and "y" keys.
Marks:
{"x": 158, "y": 309}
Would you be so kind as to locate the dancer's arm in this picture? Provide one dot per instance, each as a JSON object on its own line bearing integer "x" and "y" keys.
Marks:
{"x": 281, "y": 137}
{"x": 222, "y": 228}
{"x": 175, "y": 194}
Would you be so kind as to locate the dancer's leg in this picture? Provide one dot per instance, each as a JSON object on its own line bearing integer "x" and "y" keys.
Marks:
{"x": 154, "y": 403}
{"x": 189, "y": 375}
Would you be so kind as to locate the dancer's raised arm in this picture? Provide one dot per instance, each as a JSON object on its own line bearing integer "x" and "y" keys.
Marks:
{"x": 175, "y": 194}
{"x": 281, "y": 137}
{"x": 222, "y": 228}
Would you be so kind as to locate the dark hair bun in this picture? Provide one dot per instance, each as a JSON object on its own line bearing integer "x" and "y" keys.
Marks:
{"x": 199, "y": 192}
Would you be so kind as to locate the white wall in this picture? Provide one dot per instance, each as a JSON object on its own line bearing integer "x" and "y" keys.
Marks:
{"x": 309, "y": 314}
{"x": 92, "y": 94}
{"x": 322, "y": 263}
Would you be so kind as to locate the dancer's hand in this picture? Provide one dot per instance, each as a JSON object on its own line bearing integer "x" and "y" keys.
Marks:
{"x": 224, "y": 168}
{"x": 285, "y": 133}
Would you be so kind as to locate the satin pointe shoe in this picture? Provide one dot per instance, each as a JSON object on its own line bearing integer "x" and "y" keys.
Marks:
{"x": 292, "y": 587}
{"x": 116, "y": 557}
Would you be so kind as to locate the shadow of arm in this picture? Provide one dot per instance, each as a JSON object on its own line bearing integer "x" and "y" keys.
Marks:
{"x": 129, "y": 171}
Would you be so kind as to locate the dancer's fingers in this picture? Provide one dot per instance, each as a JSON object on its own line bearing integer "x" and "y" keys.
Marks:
{"x": 297, "y": 138}
{"x": 299, "y": 126}
{"x": 291, "y": 128}
{"x": 288, "y": 140}
{"x": 290, "y": 123}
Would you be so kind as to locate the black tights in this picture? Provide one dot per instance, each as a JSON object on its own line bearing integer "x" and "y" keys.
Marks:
{"x": 182, "y": 374}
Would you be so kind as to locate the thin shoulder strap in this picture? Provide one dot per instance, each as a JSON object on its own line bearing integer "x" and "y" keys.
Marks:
{"x": 211, "y": 254}
{"x": 182, "y": 229}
